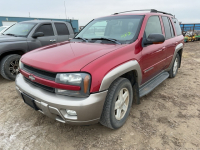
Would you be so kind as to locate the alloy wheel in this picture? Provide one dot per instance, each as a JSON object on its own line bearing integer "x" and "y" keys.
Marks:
{"x": 121, "y": 104}
{"x": 14, "y": 67}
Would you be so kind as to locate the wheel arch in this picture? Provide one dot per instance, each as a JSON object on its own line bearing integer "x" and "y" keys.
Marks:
{"x": 19, "y": 52}
{"x": 130, "y": 70}
{"x": 178, "y": 50}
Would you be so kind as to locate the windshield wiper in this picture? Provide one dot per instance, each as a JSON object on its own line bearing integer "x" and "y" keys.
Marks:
{"x": 108, "y": 39}
{"x": 86, "y": 40}
{"x": 10, "y": 34}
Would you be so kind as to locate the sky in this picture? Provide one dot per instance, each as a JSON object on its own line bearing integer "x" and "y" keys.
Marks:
{"x": 186, "y": 11}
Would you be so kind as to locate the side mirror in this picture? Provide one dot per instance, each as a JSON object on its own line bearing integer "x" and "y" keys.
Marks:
{"x": 38, "y": 34}
{"x": 154, "y": 39}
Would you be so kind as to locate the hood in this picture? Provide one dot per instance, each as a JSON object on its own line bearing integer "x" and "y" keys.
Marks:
{"x": 66, "y": 56}
{"x": 7, "y": 38}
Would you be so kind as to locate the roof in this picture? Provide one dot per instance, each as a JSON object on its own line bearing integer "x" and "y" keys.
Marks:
{"x": 137, "y": 13}
{"x": 189, "y": 23}
{"x": 40, "y": 21}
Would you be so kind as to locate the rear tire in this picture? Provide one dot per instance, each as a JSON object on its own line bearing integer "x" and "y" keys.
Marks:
{"x": 174, "y": 70}
{"x": 10, "y": 66}
{"x": 117, "y": 104}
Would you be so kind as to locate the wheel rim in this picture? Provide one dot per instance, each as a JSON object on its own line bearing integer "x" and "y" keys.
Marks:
{"x": 121, "y": 104}
{"x": 175, "y": 66}
{"x": 14, "y": 67}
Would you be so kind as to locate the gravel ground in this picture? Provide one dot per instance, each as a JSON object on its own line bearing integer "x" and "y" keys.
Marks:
{"x": 167, "y": 118}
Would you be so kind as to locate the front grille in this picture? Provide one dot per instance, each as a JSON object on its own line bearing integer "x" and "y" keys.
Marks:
{"x": 40, "y": 73}
{"x": 50, "y": 89}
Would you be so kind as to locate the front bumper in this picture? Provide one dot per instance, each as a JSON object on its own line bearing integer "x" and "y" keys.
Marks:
{"x": 88, "y": 109}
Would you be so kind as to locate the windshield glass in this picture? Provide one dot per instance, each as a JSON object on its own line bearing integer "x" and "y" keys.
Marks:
{"x": 20, "y": 29}
{"x": 121, "y": 28}
{"x": 1, "y": 28}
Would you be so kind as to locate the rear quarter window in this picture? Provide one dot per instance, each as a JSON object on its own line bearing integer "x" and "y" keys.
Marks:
{"x": 177, "y": 27}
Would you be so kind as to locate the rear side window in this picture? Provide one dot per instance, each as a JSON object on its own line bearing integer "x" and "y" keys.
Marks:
{"x": 177, "y": 27}
{"x": 62, "y": 29}
{"x": 171, "y": 28}
{"x": 46, "y": 29}
{"x": 153, "y": 26}
{"x": 168, "y": 34}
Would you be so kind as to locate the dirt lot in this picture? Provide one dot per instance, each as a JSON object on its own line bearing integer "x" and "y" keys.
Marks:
{"x": 167, "y": 118}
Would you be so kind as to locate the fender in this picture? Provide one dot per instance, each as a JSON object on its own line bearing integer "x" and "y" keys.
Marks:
{"x": 119, "y": 71}
{"x": 178, "y": 47}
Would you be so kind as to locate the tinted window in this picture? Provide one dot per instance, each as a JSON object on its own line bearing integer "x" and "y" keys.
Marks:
{"x": 62, "y": 29}
{"x": 167, "y": 28}
{"x": 153, "y": 26}
{"x": 46, "y": 29}
{"x": 177, "y": 27}
{"x": 171, "y": 28}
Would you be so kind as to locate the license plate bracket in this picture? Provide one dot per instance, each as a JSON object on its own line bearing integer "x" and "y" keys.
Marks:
{"x": 29, "y": 101}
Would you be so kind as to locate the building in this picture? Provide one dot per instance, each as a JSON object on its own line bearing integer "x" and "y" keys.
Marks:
{"x": 7, "y": 21}
{"x": 190, "y": 27}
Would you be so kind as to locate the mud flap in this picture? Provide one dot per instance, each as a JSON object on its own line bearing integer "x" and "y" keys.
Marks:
{"x": 136, "y": 95}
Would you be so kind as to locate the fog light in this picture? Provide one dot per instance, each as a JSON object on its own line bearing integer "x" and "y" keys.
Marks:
{"x": 71, "y": 112}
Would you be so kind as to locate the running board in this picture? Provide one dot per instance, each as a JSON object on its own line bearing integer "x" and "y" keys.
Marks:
{"x": 152, "y": 84}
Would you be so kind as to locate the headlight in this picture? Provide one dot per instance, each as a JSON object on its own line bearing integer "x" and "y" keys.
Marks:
{"x": 20, "y": 64}
{"x": 78, "y": 79}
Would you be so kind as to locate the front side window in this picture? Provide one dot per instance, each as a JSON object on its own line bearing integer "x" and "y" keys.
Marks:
{"x": 153, "y": 26}
{"x": 46, "y": 29}
{"x": 121, "y": 28}
{"x": 62, "y": 29}
{"x": 20, "y": 29}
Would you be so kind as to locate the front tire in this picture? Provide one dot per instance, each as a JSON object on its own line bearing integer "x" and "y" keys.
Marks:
{"x": 118, "y": 104}
{"x": 10, "y": 66}
{"x": 174, "y": 70}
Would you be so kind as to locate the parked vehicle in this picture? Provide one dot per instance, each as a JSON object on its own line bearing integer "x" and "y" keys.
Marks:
{"x": 26, "y": 36}
{"x": 3, "y": 28}
{"x": 95, "y": 77}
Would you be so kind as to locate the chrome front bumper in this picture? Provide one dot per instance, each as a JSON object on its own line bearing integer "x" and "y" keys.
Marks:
{"x": 88, "y": 109}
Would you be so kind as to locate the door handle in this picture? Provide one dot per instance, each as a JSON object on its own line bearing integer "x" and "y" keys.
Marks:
{"x": 54, "y": 40}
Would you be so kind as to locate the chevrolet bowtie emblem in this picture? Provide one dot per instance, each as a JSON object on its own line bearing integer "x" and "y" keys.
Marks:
{"x": 31, "y": 77}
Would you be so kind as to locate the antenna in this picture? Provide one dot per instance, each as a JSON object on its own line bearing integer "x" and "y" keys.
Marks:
{"x": 65, "y": 10}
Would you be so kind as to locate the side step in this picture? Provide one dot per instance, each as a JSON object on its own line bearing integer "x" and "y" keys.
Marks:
{"x": 152, "y": 84}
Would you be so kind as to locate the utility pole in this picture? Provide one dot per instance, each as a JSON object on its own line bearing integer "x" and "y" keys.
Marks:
{"x": 29, "y": 14}
{"x": 65, "y": 10}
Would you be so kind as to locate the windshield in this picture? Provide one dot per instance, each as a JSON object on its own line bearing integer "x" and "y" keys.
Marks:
{"x": 124, "y": 29}
{"x": 20, "y": 29}
{"x": 1, "y": 28}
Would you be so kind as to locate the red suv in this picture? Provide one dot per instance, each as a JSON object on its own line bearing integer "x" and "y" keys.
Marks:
{"x": 96, "y": 76}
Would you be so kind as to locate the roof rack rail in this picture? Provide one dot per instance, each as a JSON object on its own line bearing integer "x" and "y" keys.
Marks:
{"x": 151, "y": 10}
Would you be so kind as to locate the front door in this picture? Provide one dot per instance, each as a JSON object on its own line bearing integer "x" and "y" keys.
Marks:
{"x": 48, "y": 38}
{"x": 152, "y": 55}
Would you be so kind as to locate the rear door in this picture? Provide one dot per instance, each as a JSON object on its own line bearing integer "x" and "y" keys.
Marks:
{"x": 152, "y": 60}
{"x": 62, "y": 32}
{"x": 170, "y": 42}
